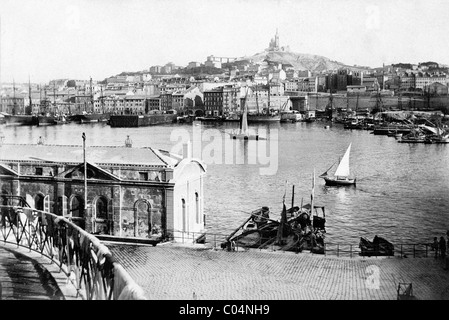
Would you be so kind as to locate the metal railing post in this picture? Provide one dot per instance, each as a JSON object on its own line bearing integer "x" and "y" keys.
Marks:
{"x": 338, "y": 250}
{"x": 350, "y": 250}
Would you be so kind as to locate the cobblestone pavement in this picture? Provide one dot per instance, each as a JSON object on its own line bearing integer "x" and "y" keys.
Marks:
{"x": 26, "y": 275}
{"x": 183, "y": 272}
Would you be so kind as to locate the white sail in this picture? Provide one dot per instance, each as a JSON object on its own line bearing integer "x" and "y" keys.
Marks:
{"x": 244, "y": 128}
{"x": 343, "y": 166}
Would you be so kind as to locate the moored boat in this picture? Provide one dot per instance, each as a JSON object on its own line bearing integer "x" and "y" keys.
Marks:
{"x": 20, "y": 119}
{"x": 416, "y": 136}
{"x": 131, "y": 120}
{"x": 46, "y": 120}
{"x": 258, "y": 117}
{"x": 378, "y": 247}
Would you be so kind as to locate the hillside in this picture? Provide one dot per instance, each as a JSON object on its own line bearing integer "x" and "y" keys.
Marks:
{"x": 299, "y": 61}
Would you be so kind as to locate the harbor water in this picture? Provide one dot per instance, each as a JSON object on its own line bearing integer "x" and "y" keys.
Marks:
{"x": 402, "y": 191}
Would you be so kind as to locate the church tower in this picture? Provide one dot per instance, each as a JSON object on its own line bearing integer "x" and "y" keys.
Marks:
{"x": 276, "y": 40}
{"x": 274, "y": 43}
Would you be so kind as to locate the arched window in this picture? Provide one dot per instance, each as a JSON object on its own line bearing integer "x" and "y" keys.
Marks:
{"x": 184, "y": 216}
{"x": 39, "y": 202}
{"x": 47, "y": 203}
{"x": 4, "y": 197}
{"x": 101, "y": 208}
{"x": 77, "y": 207}
{"x": 197, "y": 208}
{"x": 77, "y": 211}
{"x": 143, "y": 219}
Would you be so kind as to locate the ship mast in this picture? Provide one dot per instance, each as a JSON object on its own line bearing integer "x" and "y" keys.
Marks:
{"x": 14, "y": 96}
{"x": 29, "y": 95}
{"x": 1, "y": 102}
{"x": 257, "y": 101}
{"x": 91, "y": 96}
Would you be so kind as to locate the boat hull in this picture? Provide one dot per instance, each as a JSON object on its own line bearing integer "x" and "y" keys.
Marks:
{"x": 132, "y": 121}
{"x": 46, "y": 120}
{"x": 20, "y": 120}
{"x": 263, "y": 118}
{"x": 89, "y": 118}
{"x": 339, "y": 182}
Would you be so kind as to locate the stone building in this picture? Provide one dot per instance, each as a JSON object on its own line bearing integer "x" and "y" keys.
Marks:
{"x": 131, "y": 192}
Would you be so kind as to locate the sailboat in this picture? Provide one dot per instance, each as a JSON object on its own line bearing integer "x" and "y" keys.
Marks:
{"x": 243, "y": 133}
{"x": 341, "y": 176}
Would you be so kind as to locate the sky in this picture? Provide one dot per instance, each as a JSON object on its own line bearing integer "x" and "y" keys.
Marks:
{"x": 43, "y": 40}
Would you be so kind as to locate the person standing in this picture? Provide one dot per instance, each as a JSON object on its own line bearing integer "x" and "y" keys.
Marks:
{"x": 447, "y": 258}
{"x": 442, "y": 246}
{"x": 435, "y": 246}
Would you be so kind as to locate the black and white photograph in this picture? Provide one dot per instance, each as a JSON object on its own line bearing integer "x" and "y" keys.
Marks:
{"x": 225, "y": 155}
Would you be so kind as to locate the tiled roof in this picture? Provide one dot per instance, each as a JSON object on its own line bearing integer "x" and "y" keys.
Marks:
{"x": 100, "y": 155}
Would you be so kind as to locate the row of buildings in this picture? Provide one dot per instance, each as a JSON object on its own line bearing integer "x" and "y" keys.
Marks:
{"x": 206, "y": 97}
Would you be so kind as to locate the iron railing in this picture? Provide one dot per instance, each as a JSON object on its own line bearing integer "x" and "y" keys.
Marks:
{"x": 404, "y": 250}
{"x": 86, "y": 262}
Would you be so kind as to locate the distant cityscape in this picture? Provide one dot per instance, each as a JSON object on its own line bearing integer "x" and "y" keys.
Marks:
{"x": 271, "y": 79}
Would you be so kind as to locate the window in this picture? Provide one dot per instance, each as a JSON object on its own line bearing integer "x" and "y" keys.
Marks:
{"x": 143, "y": 176}
{"x": 101, "y": 208}
{"x": 197, "y": 207}
{"x": 184, "y": 215}
{"x": 39, "y": 171}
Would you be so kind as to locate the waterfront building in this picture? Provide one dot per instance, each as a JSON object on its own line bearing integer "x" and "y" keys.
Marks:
{"x": 135, "y": 104}
{"x": 131, "y": 192}
{"x": 436, "y": 88}
{"x": 166, "y": 101}
{"x": 421, "y": 82}
{"x": 291, "y": 85}
{"x": 213, "y": 101}
{"x": 178, "y": 101}
{"x": 13, "y": 103}
{"x": 356, "y": 89}
{"x": 231, "y": 99}
{"x": 154, "y": 103}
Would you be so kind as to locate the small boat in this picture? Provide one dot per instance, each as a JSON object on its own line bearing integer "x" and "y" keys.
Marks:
{"x": 46, "y": 119}
{"x": 341, "y": 176}
{"x": 209, "y": 119}
{"x": 378, "y": 247}
{"x": 243, "y": 133}
{"x": 416, "y": 136}
{"x": 20, "y": 119}
{"x": 298, "y": 229}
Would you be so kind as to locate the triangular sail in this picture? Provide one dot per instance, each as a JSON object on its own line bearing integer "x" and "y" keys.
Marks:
{"x": 244, "y": 124}
{"x": 343, "y": 166}
{"x": 325, "y": 172}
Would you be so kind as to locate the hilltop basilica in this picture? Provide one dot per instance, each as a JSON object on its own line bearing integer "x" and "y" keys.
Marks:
{"x": 274, "y": 44}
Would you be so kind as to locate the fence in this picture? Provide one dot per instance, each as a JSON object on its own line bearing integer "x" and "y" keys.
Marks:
{"x": 87, "y": 263}
{"x": 404, "y": 250}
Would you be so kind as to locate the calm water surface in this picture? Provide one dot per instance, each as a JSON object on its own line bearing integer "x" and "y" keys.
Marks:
{"x": 401, "y": 194}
